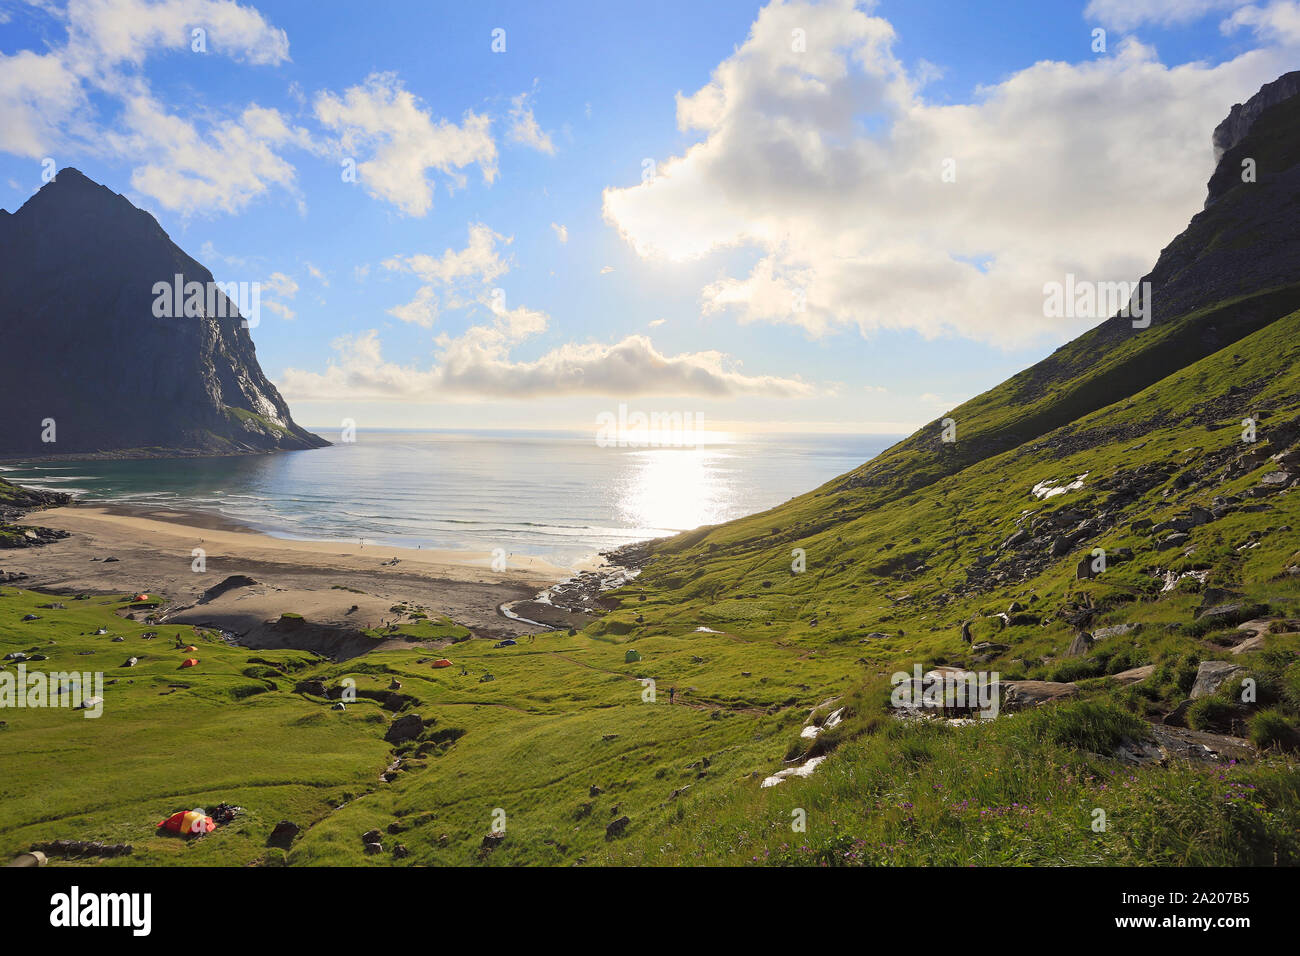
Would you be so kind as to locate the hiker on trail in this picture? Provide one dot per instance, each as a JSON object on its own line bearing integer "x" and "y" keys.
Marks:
{"x": 531, "y": 638}
{"x": 672, "y": 692}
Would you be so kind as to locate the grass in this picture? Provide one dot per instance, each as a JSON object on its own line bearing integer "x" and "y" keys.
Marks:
{"x": 568, "y": 736}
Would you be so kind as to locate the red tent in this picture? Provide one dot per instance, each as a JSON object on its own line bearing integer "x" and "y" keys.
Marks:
{"x": 189, "y": 662}
{"x": 442, "y": 662}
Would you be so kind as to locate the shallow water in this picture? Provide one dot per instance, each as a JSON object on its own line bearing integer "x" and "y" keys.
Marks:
{"x": 555, "y": 495}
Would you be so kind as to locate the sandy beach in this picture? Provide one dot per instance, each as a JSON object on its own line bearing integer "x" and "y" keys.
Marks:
{"x": 335, "y": 584}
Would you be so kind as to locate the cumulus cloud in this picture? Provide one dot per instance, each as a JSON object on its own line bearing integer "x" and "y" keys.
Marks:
{"x": 104, "y": 33}
{"x": 53, "y": 103}
{"x": 39, "y": 96}
{"x": 480, "y": 261}
{"x": 401, "y": 141}
{"x": 276, "y": 287}
{"x": 524, "y": 129}
{"x": 462, "y": 276}
{"x": 942, "y": 219}
{"x": 477, "y": 367}
{"x": 561, "y": 232}
{"x": 1277, "y": 22}
{"x": 422, "y": 310}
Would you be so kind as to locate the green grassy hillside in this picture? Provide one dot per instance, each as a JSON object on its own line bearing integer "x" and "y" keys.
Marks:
{"x": 885, "y": 588}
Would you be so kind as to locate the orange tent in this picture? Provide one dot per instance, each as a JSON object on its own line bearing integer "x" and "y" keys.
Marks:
{"x": 189, "y": 662}
{"x": 442, "y": 662}
{"x": 191, "y": 647}
{"x": 142, "y": 597}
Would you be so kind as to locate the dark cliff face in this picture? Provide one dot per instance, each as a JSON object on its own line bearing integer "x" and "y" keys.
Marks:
{"x": 80, "y": 342}
{"x": 1242, "y": 116}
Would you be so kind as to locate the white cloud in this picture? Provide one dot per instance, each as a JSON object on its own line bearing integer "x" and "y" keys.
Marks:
{"x": 221, "y": 168}
{"x": 104, "y": 33}
{"x": 38, "y": 96}
{"x": 606, "y": 270}
{"x": 655, "y": 323}
{"x": 386, "y": 123}
{"x": 561, "y": 232}
{"x": 524, "y": 129}
{"x": 422, "y": 310}
{"x": 46, "y": 101}
{"x": 280, "y": 309}
{"x": 281, "y": 285}
{"x": 1127, "y": 14}
{"x": 1277, "y": 22}
{"x": 477, "y": 367}
{"x": 1059, "y": 168}
{"x": 479, "y": 262}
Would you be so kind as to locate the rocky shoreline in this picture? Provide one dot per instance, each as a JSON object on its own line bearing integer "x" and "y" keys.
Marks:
{"x": 16, "y": 503}
{"x": 581, "y": 599}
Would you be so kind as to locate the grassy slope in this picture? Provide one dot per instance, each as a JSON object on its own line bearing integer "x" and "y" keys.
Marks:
{"x": 534, "y": 742}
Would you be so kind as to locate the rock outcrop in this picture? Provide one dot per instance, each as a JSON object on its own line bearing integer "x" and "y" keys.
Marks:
{"x": 1242, "y": 116}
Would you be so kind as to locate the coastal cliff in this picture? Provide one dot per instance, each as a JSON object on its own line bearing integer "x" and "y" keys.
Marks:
{"x": 88, "y": 366}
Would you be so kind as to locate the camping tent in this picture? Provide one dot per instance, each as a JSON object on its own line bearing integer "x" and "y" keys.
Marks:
{"x": 188, "y": 823}
{"x": 442, "y": 662}
{"x": 631, "y": 657}
{"x": 189, "y": 662}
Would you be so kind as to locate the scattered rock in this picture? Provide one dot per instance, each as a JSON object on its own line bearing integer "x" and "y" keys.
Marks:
{"x": 1135, "y": 674}
{"x": 404, "y": 728}
{"x": 1178, "y": 716}
{"x": 1115, "y": 630}
{"x": 616, "y": 827}
{"x": 283, "y": 835}
{"x": 1020, "y": 694}
{"x": 1080, "y": 646}
{"x": 1211, "y": 675}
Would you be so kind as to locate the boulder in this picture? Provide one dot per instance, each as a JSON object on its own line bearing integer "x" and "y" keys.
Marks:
{"x": 1178, "y": 716}
{"x": 1115, "y": 630}
{"x": 1080, "y": 646}
{"x": 283, "y": 835}
{"x": 404, "y": 728}
{"x": 492, "y": 841}
{"x": 1219, "y": 611}
{"x": 1020, "y": 694}
{"x": 1211, "y": 675}
{"x": 1135, "y": 675}
{"x": 1274, "y": 481}
{"x": 616, "y": 827}
{"x": 1249, "y": 644}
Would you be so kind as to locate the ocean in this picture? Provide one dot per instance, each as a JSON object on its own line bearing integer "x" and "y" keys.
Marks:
{"x": 556, "y": 495}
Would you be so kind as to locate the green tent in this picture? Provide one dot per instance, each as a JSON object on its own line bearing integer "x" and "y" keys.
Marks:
{"x": 631, "y": 657}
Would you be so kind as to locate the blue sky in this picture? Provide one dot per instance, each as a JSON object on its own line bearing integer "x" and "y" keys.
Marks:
{"x": 436, "y": 289}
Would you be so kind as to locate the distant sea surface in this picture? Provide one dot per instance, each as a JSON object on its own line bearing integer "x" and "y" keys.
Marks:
{"x": 552, "y": 494}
